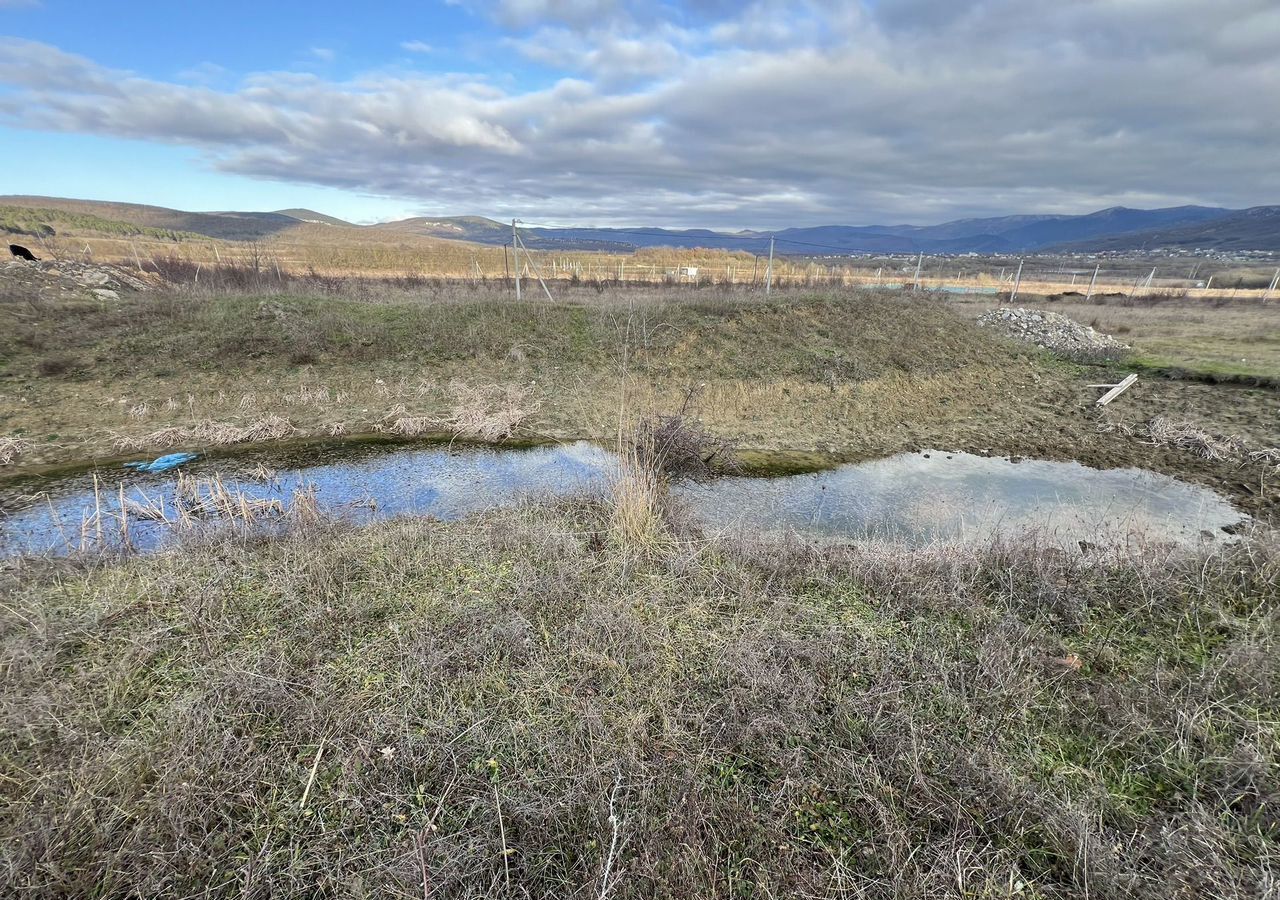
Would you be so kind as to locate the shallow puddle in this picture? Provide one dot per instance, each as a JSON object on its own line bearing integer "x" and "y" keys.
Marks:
{"x": 914, "y": 498}
{"x": 958, "y": 497}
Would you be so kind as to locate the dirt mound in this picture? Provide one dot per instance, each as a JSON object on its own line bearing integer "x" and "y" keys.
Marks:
{"x": 57, "y": 279}
{"x": 1050, "y": 330}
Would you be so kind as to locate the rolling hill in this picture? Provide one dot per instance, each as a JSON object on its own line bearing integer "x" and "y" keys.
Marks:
{"x": 231, "y": 226}
{"x": 1114, "y": 229}
{"x": 1257, "y": 228}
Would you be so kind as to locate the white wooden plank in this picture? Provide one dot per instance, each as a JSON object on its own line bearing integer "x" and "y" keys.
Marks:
{"x": 1117, "y": 390}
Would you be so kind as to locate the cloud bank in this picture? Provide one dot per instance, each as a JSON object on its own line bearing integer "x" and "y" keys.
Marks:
{"x": 729, "y": 116}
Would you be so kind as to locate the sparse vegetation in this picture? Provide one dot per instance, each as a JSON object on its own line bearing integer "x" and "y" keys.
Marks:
{"x": 381, "y": 347}
{"x": 35, "y": 221}
{"x": 460, "y": 709}
{"x": 595, "y": 698}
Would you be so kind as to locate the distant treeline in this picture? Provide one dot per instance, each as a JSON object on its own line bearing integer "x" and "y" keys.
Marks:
{"x": 34, "y": 221}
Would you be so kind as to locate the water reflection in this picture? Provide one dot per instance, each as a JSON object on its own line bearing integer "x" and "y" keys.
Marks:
{"x": 928, "y": 497}
{"x": 914, "y": 497}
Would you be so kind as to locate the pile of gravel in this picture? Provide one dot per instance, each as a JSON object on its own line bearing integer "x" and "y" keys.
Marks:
{"x": 62, "y": 278}
{"x": 1050, "y": 330}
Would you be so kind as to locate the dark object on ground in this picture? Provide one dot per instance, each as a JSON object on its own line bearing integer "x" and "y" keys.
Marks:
{"x": 22, "y": 252}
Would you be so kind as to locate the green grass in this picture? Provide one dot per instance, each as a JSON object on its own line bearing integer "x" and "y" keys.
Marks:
{"x": 805, "y": 336}
{"x": 767, "y": 721}
{"x": 1214, "y": 369}
{"x": 803, "y": 370}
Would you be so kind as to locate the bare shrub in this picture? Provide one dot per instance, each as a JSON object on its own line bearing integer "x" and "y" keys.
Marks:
{"x": 679, "y": 445}
{"x": 56, "y": 365}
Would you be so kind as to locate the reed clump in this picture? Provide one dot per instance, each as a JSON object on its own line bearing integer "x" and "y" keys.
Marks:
{"x": 489, "y": 412}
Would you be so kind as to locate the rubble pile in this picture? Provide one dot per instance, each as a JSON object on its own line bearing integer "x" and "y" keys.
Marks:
{"x": 1050, "y": 330}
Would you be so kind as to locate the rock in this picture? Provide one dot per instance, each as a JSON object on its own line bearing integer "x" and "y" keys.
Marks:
{"x": 47, "y": 279}
{"x": 1050, "y": 330}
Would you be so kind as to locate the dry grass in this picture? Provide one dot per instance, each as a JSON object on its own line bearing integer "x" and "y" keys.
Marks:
{"x": 489, "y": 412}
{"x": 1163, "y": 432}
{"x": 203, "y": 434}
{"x": 411, "y": 426}
{"x": 637, "y": 503}
{"x": 1185, "y": 436}
{"x": 11, "y": 448}
{"x": 806, "y": 356}
{"x": 512, "y": 706}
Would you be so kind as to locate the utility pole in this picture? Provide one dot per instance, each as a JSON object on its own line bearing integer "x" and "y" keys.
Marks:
{"x": 536, "y": 271}
{"x": 919, "y": 263}
{"x": 768, "y": 275}
{"x": 1096, "y": 269}
{"x": 1274, "y": 283}
{"x": 515, "y": 252}
{"x": 1017, "y": 282}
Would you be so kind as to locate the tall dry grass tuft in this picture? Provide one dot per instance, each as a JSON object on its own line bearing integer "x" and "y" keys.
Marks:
{"x": 637, "y": 503}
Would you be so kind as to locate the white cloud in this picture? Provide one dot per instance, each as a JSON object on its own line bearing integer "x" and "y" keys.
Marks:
{"x": 416, "y": 46}
{"x": 776, "y": 113}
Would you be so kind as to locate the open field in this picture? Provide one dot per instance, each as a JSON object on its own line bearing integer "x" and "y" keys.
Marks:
{"x": 151, "y": 238}
{"x": 594, "y": 699}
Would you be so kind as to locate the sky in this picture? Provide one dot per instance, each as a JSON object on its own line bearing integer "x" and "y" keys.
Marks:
{"x": 708, "y": 113}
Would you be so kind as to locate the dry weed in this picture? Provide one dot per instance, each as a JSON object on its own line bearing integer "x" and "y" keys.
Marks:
{"x": 489, "y": 412}
{"x": 1185, "y": 436}
{"x": 270, "y": 428}
{"x": 11, "y": 448}
{"x": 410, "y": 426}
{"x": 636, "y": 505}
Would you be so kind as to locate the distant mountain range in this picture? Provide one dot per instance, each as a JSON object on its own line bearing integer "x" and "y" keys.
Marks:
{"x": 1117, "y": 229}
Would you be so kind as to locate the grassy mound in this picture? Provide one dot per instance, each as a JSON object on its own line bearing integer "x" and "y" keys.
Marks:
{"x": 852, "y": 336}
{"x": 517, "y": 705}
{"x": 797, "y": 371}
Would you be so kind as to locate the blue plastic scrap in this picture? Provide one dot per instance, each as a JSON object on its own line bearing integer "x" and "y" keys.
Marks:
{"x": 163, "y": 464}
